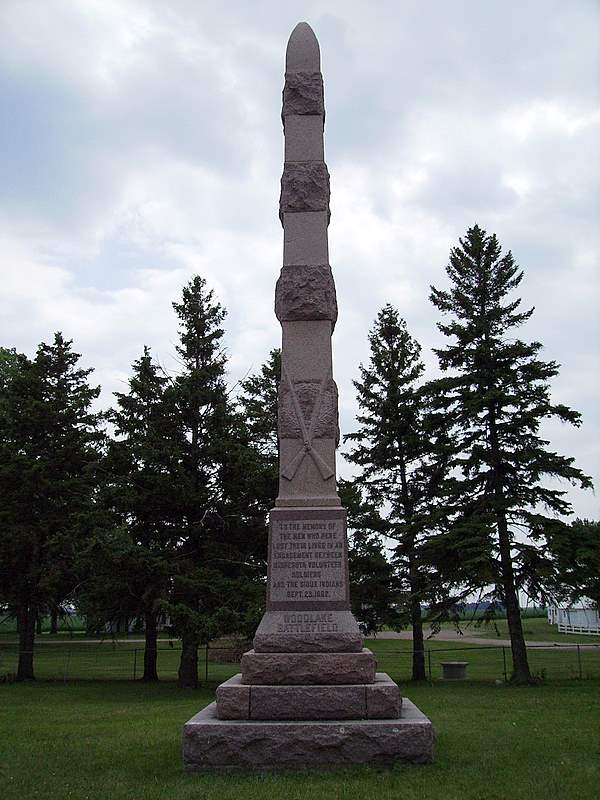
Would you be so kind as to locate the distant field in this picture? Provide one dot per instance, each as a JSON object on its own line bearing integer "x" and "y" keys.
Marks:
{"x": 534, "y": 628}
{"x": 94, "y": 740}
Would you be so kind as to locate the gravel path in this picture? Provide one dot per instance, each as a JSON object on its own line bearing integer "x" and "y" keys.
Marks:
{"x": 455, "y": 636}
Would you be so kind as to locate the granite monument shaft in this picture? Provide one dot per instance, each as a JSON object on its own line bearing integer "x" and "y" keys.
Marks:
{"x": 308, "y": 562}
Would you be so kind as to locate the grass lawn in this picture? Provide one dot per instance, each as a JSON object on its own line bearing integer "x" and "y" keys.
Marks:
{"x": 121, "y": 741}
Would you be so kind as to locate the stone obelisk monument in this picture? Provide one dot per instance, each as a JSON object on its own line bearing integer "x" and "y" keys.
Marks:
{"x": 308, "y": 670}
{"x": 308, "y": 602}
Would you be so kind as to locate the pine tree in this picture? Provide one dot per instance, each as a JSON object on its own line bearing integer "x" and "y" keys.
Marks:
{"x": 493, "y": 399}
{"x": 201, "y": 404}
{"x": 391, "y": 450}
{"x": 575, "y": 552}
{"x": 50, "y": 447}
{"x": 258, "y": 406}
{"x": 132, "y": 571}
{"x": 376, "y": 591}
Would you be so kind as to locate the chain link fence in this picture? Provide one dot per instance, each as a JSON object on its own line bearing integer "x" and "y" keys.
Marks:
{"x": 123, "y": 660}
{"x": 494, "y": 663}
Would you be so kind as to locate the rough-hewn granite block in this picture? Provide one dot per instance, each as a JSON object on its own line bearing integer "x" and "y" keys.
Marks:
{"x": 304, "y": 187}
{"x": 378, "y": 700}
{"x": 303, "y": 94}
{"x": 308, "y": 668}
{"x": 383, "y": 698}
{"x": 306, "y": 293}
{"x": 233, "y": 699}
{"x": 211, "y": 743}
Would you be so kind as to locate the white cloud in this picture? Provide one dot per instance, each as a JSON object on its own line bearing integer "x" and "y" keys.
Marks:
{"x": 142, "y": 144}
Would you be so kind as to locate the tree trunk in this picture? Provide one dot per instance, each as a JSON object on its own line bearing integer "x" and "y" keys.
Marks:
{"x": 150, "y": 650}
{"x": 187, "y": 677}
{"x": 27, "y": 620}
{"x": 521, "y": 673}
{"x": 418, "y": 647}
{"x": 38, "y": 624}
{"x": 54, "y": 620}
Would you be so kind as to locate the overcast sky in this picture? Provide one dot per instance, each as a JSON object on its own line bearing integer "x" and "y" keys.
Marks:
{"x": 141, "y": 143}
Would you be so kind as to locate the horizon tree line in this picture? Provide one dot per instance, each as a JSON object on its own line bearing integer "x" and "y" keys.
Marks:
{"x": 166, "y": 515}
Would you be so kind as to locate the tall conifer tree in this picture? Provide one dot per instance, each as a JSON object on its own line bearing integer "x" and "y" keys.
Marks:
{"x": 50, "y": 440}
{"x": 391, "y": 449}
{"x": 131, "y": 576}
{"x": 201, "y": 405}
{"x": 493, "y": 399}
{"x": 258, "y": 405}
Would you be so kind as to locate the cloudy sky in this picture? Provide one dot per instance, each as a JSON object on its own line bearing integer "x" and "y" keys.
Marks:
{"x": 141, "y": 143}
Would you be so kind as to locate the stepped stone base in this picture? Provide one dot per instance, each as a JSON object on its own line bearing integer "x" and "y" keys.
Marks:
{"x": 377, "y": 700}
{"x": 308, "y": 668}
{"x": 211, "y": 743}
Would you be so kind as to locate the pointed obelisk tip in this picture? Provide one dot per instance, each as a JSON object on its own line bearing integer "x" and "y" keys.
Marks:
{"x": 302, "y": 53}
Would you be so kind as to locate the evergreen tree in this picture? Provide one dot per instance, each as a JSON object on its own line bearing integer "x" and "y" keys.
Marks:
{"x": 131, "y": 570}
{"x": 377, "y": 596}
{"x": 198, "y": 605}
{"x": 391, "y": 450}
{"x": 258, "y": 406}
{"x": 49, "y": 450}
{"x": 493, "y": 400}
{"x": 575, "y": 551}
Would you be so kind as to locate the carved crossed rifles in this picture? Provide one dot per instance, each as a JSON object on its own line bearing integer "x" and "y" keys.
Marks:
{"x": 306, "y": 449}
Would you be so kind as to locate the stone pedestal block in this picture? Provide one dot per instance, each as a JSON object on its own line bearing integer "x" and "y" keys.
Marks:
{"x": 210, "y": 743}
{"x": 308, "y": 632}
{"x": 377, "y": 700}
{"x": 233, "y": 699}
{"x": 274, "y": 669}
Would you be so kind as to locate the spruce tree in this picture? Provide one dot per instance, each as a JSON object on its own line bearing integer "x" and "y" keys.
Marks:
{"x": 201, "y": 406}
{"x": 133, "y": 577}
{"x": 376, "y": 591}
{"x": 575, "y": 552}
{"x": 258, "y": 407}
{"x": 493, "y": 399}
{"x": 49, "y": 452}
{"x": 391, "y": 450}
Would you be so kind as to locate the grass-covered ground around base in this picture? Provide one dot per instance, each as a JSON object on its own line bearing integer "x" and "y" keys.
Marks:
{"x": 93, "y": 740}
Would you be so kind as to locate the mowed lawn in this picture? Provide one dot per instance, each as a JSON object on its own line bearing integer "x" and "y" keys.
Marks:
{"x": 114, "y": 740}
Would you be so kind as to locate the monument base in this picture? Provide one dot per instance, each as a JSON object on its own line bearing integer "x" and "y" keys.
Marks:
{"x": 308, "y": 631}
{"x": 210, "y": 743}
{"x": 276, "y": 669}
{"x": 377, "y": 700}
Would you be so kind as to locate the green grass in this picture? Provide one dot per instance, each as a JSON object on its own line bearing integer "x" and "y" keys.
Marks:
{"x": 121, "y": 740}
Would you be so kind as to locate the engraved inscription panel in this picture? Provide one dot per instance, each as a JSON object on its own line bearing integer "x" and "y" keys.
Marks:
{"x": 307, "y": 560}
